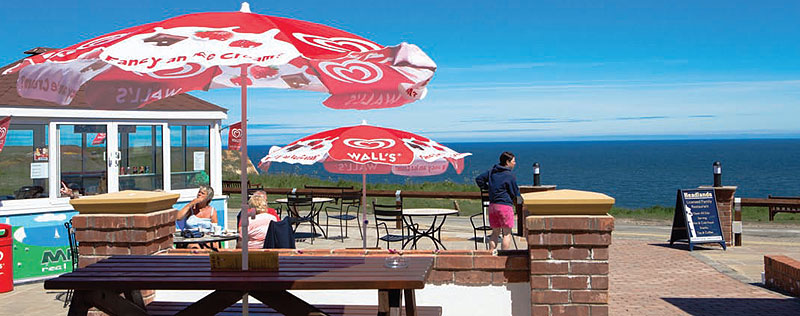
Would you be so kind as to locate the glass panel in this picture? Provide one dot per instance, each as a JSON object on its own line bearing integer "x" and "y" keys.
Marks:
{"x": 190, "y": 155}
{"x": 25, "y": 149}
{"x": 83, "y": 165}
{"x": 141, "y": 164}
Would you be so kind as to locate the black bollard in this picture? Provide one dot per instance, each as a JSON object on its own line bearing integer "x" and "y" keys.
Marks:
{"x": 717, "y": 174}
{"x": 536, "y": 181}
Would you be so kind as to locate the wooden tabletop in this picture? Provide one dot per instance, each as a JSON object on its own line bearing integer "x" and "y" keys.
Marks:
{"x": 194, "y": 273}
{"x": 428, "y": 211}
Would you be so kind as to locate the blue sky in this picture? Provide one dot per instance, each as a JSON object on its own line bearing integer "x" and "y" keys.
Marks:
{"x": 518, "y": 71}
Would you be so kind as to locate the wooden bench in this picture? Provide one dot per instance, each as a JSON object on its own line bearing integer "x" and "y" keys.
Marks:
{"x": 235, "y": 187}
{"x": 775, "y": 209}
{"x": 172, "y": 308}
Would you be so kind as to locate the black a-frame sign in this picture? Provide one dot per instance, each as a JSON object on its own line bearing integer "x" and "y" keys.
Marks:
{"x": 696, "y": 218}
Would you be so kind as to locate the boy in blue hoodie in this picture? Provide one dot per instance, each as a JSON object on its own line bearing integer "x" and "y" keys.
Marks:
{"x": 503, "y": 190}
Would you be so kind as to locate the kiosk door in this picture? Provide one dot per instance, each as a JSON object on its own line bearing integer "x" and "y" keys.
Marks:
{"x": 141, "y": 157}
{"x": 82, "y": 159}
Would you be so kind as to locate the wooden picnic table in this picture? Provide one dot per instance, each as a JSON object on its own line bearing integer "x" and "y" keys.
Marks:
{"x": 101, "y": 284}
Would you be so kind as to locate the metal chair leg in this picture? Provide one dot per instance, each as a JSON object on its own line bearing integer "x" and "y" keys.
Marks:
{"x": 475, "y": 238}
{"x": 514, "y": 239}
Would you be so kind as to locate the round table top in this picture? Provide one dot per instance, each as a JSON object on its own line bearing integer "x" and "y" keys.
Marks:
{"x": 428, "y": 211}
{"x": 177, "y": 238}
{"x": 314, "y": 200}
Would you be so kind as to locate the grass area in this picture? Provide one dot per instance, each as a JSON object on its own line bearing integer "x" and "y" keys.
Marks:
{"x": 649, "y": 213}
{"x": 749, "y": 214}
{"x": 469, "y": 207}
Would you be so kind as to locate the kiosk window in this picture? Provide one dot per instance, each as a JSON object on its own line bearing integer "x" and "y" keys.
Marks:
{"x": 24, "y": 162}
{"x": 83, "y": 165}
{"x": 141, "y": 157}
{"x": 189, "y": 155}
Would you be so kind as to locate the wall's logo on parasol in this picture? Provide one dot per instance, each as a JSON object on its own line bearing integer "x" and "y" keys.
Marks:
{"x": 101, "y": 41}
{"x": 377, "y": 143}
{"x": 3, "y": 131}
{"x": 236, "y": 133}
{"x": 352, "y": 71}
{"x": 185, "y": 71}
{"x": 337, "y": 44}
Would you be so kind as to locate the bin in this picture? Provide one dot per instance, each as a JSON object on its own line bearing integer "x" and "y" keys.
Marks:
{"x": 6, "y": 264}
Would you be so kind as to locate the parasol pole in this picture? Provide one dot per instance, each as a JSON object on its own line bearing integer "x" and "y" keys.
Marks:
{"x": 243, "y": 178}
{"x": 364, "y": 220}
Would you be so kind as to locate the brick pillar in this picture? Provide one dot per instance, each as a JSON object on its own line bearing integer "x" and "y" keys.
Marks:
{"x": 522, "y": 210}
{"x": 569, "y": 264}
{"x": 100, "y": 236}
{"x": 725, "y": 208}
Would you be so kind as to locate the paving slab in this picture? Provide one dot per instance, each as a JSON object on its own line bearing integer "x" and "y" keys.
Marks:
{"x": 652, "y": 278}
{"x": 647, "y": 277}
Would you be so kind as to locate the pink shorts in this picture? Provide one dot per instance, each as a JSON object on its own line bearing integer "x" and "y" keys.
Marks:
{"x": 501, "y": 215}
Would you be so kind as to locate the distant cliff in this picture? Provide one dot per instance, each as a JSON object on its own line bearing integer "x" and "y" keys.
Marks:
{"x": 231, "y": 165}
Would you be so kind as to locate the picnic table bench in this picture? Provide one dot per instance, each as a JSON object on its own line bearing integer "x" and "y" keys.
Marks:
{"x": 113, "y": 285}
{"x": 171, "y": 308}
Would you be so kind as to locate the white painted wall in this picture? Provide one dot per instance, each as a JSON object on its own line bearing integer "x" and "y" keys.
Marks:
{"x": 513, "y": 299}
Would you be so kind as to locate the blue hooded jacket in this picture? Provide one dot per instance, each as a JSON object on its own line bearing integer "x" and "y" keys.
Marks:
{"x": 501, "y": 184}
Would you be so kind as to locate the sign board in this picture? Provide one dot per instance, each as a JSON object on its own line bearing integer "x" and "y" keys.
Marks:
{"x": 199, "y": 161}
{"x": 696, "y": 219}
{"x": 39, "y": 170}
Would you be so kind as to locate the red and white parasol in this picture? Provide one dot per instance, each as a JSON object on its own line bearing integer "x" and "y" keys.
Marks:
{"x": 142, "y": 64}
{"x": 365, "y": 149}
{"x": 201, "y": 51}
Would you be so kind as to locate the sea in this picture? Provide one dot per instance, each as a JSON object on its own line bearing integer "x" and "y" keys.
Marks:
{"x": 637, "y": 174}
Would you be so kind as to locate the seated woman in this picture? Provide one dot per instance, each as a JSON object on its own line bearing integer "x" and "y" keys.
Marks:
{"x": 258, "y": 226}
{"x": 199, "y": 211}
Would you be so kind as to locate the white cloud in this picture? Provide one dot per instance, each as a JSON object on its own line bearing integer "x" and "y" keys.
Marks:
{"x": 50, "y": 217}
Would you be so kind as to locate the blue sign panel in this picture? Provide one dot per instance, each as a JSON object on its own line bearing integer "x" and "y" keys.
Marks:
{"x": 696, "y": 219}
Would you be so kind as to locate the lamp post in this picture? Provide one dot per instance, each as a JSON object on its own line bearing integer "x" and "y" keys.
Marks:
{"x": 717, "y": 174}
{"x": 536, "y": 179}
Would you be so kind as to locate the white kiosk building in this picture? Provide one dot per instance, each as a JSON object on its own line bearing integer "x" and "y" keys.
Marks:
{"x": 172, "y": 145}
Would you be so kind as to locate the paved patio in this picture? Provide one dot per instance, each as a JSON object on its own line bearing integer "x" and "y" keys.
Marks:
{"x": 647, "y": 276}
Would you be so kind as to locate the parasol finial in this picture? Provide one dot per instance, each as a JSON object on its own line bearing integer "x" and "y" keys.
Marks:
{"x": 364, "y": 122}
{"x": 245, "y": 7}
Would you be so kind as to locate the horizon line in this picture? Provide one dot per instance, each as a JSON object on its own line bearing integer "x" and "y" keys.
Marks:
{"x": 579, "y": 139}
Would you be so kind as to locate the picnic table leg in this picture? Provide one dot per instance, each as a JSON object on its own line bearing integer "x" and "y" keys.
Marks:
{"x": 111, "y": 303}
{"x": 389, "y": 302}
{"x": 213, "y": 303}
{"x": 411, "y": 302}
{"x": 287, "y": 304}
{"x": 78, "y": 306}
{"x": 135, "y": 296}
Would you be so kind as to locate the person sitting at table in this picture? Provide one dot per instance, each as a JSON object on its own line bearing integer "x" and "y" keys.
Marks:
{"x": 258, "y": 226}
{"x": 199, "y": 211}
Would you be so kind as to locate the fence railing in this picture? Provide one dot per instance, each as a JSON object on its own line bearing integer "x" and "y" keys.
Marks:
{"x": 521, "y": 211}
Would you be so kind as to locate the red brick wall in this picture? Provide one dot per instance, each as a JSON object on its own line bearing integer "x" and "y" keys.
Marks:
{"x": 460, "y": 267}
{"x": 100, "y": 236}
{"x": 782, "y": 273}
{"x": 569, "y": 264}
